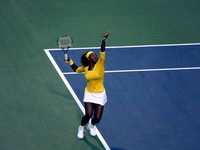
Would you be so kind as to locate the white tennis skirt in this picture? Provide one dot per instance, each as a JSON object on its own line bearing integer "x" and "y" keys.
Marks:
{"x": 97, "y": 98}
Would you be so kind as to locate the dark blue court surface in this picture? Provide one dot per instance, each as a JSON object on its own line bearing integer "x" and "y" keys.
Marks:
{"x": 153, "y": 96}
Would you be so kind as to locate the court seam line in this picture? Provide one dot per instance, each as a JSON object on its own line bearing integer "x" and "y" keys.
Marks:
{"x": 74, "y": 96}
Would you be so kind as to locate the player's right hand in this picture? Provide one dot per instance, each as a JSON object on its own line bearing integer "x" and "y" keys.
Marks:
{"x": 66, "y": 59}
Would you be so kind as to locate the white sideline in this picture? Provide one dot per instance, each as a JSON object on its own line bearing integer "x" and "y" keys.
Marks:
{"x": 74, "y": 95}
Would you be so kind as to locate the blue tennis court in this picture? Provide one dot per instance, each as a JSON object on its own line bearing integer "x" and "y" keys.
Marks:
{"x": 153, "y": 95}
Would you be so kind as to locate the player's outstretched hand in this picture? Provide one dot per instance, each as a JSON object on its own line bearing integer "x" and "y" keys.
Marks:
{"x": 69, "y": 60}
{"x": 105, "y": 36}
{"x": 66, "y": 59}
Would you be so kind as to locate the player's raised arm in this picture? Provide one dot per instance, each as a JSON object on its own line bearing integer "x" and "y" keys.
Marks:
{"x": 103, "y": 43}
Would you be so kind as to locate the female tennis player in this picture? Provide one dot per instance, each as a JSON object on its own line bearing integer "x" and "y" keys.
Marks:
{"x": 95, "y": 94}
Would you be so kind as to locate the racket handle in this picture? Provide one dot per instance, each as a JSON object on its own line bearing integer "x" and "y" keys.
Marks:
{"x": 66, "y": 57}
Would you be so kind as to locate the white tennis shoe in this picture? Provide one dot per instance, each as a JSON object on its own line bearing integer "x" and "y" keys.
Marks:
{"x": 91, "y": 129}
{"x": 80, "y": 133}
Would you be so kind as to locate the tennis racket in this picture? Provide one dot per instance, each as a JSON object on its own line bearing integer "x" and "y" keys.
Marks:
{"x": 65, "y": 42}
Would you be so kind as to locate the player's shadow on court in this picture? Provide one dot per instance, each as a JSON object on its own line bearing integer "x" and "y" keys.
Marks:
{"x": 90, "y": 144}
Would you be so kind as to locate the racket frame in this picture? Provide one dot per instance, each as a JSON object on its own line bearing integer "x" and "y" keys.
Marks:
{"x": 65, "y": 42}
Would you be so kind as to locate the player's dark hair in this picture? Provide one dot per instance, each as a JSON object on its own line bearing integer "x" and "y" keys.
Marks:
{"x": 85, "y": 62}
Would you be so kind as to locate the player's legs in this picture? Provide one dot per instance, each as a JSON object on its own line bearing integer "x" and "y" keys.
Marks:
{"x": 98, "y": 111}
{"x": 88, "y": 113}
{"x": 89, "y": 108}
{"x": 85, "y": 119}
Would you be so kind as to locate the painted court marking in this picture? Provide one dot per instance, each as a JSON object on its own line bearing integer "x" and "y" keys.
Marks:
{"x": 145, "y": 70}
{"x": 61, "y": 74}
{"x": 74, "y": 96}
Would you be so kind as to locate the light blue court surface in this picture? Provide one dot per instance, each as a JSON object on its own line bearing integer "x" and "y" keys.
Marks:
{"x": 153, "y": 95}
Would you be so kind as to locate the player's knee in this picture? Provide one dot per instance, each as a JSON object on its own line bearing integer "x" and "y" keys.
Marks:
{"x": 96, "y": 120}
{"x": 88, "y": 116}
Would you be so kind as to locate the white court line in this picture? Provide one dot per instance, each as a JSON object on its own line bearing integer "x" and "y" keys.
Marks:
{"x": 133, "y": 46}
{"x": 74, "y": 96}
{"x": 145, "y": 70}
